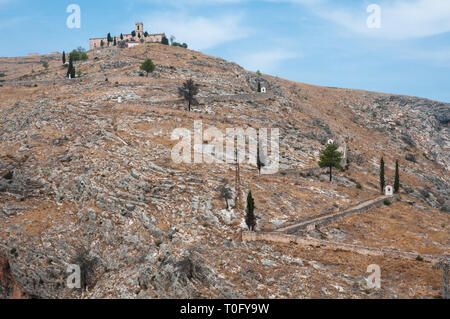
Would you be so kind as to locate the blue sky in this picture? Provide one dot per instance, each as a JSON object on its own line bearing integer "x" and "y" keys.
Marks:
{"x": 319, "y": 42}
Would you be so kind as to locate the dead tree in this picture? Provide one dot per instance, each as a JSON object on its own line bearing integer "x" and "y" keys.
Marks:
{"x": 225, "y": 194}
{"x": 188, "y": 91}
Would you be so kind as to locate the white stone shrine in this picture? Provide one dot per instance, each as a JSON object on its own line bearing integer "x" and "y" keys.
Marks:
{"x": 389, "y": 190}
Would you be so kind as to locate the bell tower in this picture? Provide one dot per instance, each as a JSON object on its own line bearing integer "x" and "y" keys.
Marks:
{"x": 139, "y": 29}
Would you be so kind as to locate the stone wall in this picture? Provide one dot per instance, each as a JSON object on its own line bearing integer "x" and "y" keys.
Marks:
{"x": 322, "y": 244}
{"x": 243, "y": 97}
{"x": 309, "y": 225}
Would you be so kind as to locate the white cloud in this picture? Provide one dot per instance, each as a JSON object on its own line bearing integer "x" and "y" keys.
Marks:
{"x": 199, "y": 32}
{"x": 267, "y": 61}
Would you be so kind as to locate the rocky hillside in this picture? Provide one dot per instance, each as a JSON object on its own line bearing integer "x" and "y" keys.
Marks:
{"x": 87, "y": 180}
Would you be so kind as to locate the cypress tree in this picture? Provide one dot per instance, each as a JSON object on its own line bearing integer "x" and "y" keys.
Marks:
{"x": 259, "y": 87}
{"x": 250, "y": 219}
{"x": 382, "y": 180}
{"x": 115, "y": 42}
{"x": 397, "y": 178}
{"x": 64, "y": 57}
{"x": 70, "y": 68}
{"x": 121, "y": 36}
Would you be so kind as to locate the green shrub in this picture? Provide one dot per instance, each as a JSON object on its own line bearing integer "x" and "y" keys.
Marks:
{"x": 358, "y": 186}
{"x": 419, "y": 258}
{"x": 77, "y": 55}
{"x": 181, "y": 45}
{"x": 387, "y": 202}
{"x": 2, "y": 75}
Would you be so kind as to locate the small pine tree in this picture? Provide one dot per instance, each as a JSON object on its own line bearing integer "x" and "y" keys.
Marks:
{"x": 165, "y": 41}
{"x": 45, "y": 65}
{"x": 382, "y": 180}
{"x": 64, "y": 57}
{"x": 250, "y": 218}
{"x": 148, "y": 66}
{"x": 330, "y": 157}
{"x": 397, "y": 178}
